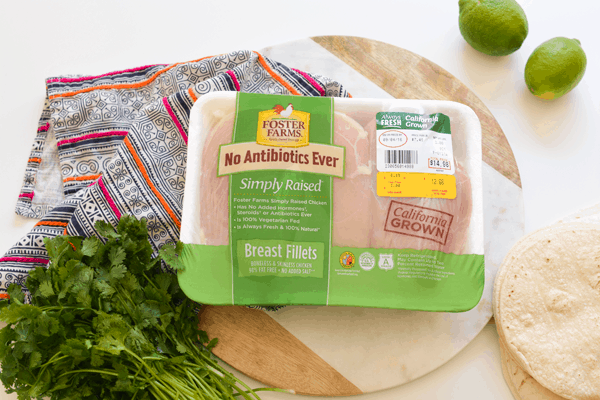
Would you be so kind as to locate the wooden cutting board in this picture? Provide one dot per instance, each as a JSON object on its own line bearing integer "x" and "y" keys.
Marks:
{"x": 256, "y": 342}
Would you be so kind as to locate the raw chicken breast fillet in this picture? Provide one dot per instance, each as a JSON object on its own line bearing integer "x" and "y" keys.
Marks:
{"x": 359, "y": 215}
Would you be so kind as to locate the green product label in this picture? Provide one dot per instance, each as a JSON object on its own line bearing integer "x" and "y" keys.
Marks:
{"x": 280, "y": 258}
{"x": 408, "y": 279}
{"x": 433, "y": 122}
{"x": 281, "y": 163}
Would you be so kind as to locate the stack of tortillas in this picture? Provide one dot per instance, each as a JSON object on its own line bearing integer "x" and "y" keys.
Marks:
{"x": 547, "y": 312}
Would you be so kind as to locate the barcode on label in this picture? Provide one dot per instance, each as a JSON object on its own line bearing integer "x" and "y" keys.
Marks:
{"x": 401, "y": 156}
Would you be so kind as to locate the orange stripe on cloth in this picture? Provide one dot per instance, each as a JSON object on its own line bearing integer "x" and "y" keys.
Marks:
{"x": 82, "y": 178}
{"x": 125, "y": 85}
{"x": 4, "y": 296}
{"x": 275, "y": 76}
{"x": 149, "y": 182}
{"x": 51, "y": 223}
{"x": 192, "y": 95}
{"x": 35, "y": 159}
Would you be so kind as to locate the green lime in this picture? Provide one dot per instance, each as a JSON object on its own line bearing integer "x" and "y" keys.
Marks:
{"x": 494, "y": 27}
{"x": 555, "y": 67}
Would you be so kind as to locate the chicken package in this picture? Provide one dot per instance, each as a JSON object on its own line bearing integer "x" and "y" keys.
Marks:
{"x": 333, "y": 201}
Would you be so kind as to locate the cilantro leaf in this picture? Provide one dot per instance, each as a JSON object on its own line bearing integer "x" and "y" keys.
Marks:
{"x": 117, "y": 256}
{"x": 17, "y": 312}
{"x": 7, "y": 335}
{"x": 46, "y": 325}
{"x": 96, "y": 359}
{"x": 45, "y": 289}
{"x": 76, "y": 349}
{"x": 16, "y": 293}
{"x": 170, "y": 254}
{"x": 117, "y": 272}
{"x": 90, "y": 246}
{"x": 212, "y": 343}
{"x": 106, "y": 230}
{"x": 104, "y": 288}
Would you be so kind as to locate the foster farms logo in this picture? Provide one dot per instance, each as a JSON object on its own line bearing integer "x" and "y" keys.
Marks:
{"x": 283, "y": 127}
{"x": 421, "y": 222}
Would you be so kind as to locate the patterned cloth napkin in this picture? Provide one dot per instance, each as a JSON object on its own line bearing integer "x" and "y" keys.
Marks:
{"x": 116, "y": 144}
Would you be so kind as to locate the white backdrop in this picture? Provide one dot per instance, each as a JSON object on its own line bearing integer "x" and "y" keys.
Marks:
{"x": 556, "y": 143}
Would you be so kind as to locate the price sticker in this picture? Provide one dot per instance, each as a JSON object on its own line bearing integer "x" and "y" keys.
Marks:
{"x": 405, "y": 184}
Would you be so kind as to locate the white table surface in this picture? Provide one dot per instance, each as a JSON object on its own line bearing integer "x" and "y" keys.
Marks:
{"x": 556, "y": 144}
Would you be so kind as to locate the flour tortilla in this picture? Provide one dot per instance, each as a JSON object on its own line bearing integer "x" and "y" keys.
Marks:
{"x": 509, "y": 259}
{"x": 547, "y": 306}
{"x": 521, "y": 384}
{"x": 514, "y": 252}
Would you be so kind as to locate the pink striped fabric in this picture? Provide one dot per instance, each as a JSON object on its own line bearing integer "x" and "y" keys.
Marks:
{"x": 109, "y": 199}
{"x": 92, "y": 136}
{"x": 312, "y": 81}
{"x": 172, "y": 114}
{"x": 235, "y": 81}
{"x": 24, "y": 259}
{"x": 28, "y": 195}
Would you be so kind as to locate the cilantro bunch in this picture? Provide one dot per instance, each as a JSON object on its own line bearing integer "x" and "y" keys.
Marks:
{"x": 106, "y": 322}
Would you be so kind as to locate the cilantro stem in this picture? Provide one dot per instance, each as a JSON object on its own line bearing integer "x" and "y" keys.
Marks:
{"x": 153, "y": 358}
{"x": 166, "y": 390}
{"x": 198, "y": 381}
{"x": 135, "y": 394}
{"x": 232, "y": 379}
{"x": 52, "y": 360}
{"x": 165, "y": 377}
{"x": 125, "y": 305}
{"x": 95, "y": 371}
{"x": 61, "y": 308}
{"x": 153, "y": 285}
{"x": 181, "y": 383}
{"x": 267, "y": 389}
{"x": 142, "y": 362}
{"x": 245, "y": 393}
{"x": 139, "y": 370}
{"x": 159, "y": 392}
